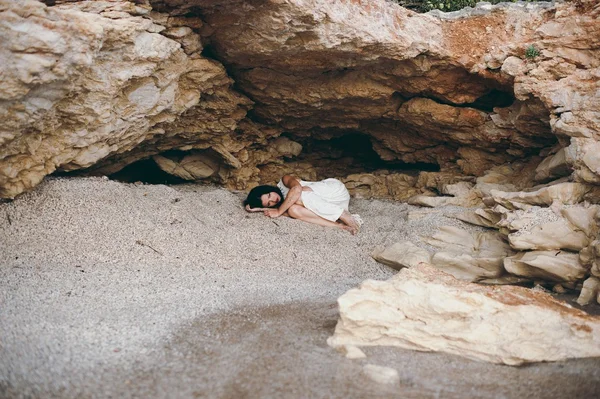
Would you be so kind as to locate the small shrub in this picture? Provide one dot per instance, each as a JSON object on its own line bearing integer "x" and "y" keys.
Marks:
{"x": 531, "y": 52}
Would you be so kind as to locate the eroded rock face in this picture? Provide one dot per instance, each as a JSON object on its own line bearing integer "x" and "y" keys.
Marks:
{"x": 471, "y": 257}
{"x": 401, "y": 254}
{"x": 570, "y": 228}
{"x": 556, "y": 266}
{"x": 104, "y": 84}
{"x": 552, "y": 232}
{"x": 91, "y": 80}
{"x": 424, "y": 309}
{"x": 317, "y": 87}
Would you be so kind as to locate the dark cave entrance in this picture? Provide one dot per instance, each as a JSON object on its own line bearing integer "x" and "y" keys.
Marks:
{"x": 146, "y": 171}
{"x": 342, "y": 155}
{"x": 351, "y": 153}
{"x": 495, "y": 98}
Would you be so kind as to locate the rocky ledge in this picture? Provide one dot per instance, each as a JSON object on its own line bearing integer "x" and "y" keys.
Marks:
{"x": 239, "y": 92}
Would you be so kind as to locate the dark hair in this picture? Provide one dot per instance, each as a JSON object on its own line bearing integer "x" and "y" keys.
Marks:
{"x": 254, "y": 196}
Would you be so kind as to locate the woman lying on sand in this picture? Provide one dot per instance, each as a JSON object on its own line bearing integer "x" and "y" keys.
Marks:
{"x": 323, "y": 202}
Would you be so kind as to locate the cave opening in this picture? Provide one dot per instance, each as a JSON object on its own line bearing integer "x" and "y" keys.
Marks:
{"x": 351, "y": 153}
{"x": 495, "y": 98}
{"x": 339, "y": 156}
{"x": 210, "y": 52}
{"x": 146, "y": 171}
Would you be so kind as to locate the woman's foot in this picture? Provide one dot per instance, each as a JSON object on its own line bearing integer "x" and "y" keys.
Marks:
{"x": 352, "y": 230}
{"x": 351, "y": 224}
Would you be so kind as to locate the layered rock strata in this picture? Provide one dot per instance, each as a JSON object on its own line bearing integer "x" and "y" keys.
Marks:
{"x": 93, "y": 80}
{"x": 546, "y": 234}
{"x": 99, "y": 85}
{"x": 425, "y": 309}
{"x": 552, "y": 230}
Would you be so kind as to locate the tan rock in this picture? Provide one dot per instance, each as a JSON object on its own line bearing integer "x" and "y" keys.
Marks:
{"x": 514, "y": 66}
{"x": 553, "y": 167}
{"x": 400, "y": 186}
{"x": 401, "y": 254}
{"x": 436, "y": 180}
{"x": 584, "y": 218}
{"x": 559, "y": 289}
{"x": 468, "y": 267}
{"x": 396, "y": 186}
{"x": 480, "y": 217}
{"x": 366, "y": 185}
{"x": 499, "y": 178}
{"x": 469, "y": 256}
{"x": 106, "y": 83}
{"x": 555, "y": 266}
{"x": 559, "y": 227}
{"x": 547, "y": 236}
{"x": 73, "y": 99}
{"x": 195, "y": 166}
{"x": 590, "y": 258}
{"x": 584, "y": 155}
{"x": 424, "y": 309}
{"x": 590, "y": 291}
{"x": 287, "y": 147}
{"x": 460, "y": 189}
{"x": 564, "y": 193}
{"x": 353, "y": 352}
{"x": 429, "y": 201}
{"x": 465, "y": 196}
{"x": 476, "y": 161}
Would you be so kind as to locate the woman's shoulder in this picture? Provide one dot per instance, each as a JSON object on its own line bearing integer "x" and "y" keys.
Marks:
{"x": 290, "y": 181}
{"x": 281, "y": 186}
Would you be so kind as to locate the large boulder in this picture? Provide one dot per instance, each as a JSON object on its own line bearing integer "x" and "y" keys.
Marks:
{"x": 425, "y": 309}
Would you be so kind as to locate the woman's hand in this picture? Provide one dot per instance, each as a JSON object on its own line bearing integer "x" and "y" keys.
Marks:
{"x": 272, "y": 213}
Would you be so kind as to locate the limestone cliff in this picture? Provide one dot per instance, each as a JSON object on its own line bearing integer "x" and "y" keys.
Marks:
{"x": 100, "y": 85}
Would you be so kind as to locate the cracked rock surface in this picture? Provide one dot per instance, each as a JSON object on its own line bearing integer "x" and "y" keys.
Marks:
{"x": 146, "y": 78}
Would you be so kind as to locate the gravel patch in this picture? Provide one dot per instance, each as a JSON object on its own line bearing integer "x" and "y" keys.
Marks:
{"x": 124, "y": 290}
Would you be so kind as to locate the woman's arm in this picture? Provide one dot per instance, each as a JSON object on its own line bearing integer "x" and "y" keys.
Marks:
{"x": 292, "y": 197}
{"x": 248, "y": 209}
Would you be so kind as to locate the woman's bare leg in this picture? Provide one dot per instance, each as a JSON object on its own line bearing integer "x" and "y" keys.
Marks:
{"x": 306, "y": 215}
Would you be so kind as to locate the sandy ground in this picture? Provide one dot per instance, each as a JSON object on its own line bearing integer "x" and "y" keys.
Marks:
{"x": 119, "y": 290}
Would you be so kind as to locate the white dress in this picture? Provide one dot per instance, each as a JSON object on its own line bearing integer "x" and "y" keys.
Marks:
{"x": 328, "y": 198}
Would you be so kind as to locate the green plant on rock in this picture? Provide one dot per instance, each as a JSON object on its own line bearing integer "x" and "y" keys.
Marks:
{"x": 531, "y": 52}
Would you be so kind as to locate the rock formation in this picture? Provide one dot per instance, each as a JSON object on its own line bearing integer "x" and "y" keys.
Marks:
{"x": 425, "y": 309}
{"x": 472, "y": 257}
{"x": 555, "y": 244}
{"x": 364, "y": 88}
{"x": 401, "y": 254}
